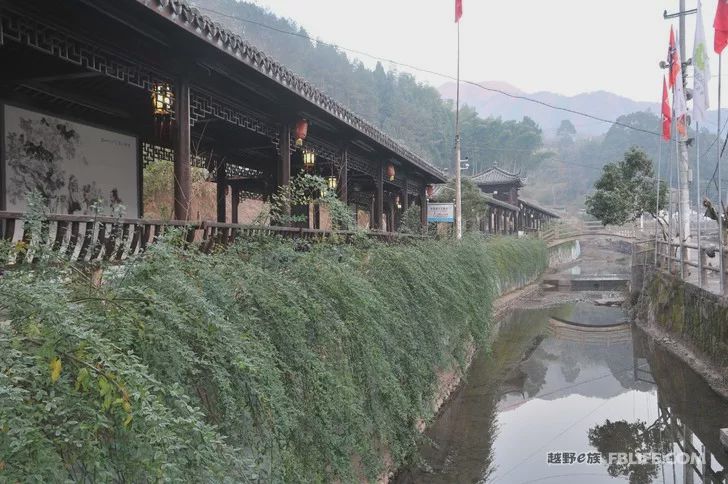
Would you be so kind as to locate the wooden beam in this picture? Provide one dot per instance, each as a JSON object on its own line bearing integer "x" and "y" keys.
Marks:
{"x": 182, "y": 167}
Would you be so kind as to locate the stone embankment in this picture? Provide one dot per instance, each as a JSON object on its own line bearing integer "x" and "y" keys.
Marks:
{"x": 691, "y": 322}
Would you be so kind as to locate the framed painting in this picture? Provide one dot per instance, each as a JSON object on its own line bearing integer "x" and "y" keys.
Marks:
{"x": 76, "y": 168}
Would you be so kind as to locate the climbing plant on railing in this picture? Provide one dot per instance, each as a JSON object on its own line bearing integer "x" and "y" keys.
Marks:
{"x": 302, "y": 191}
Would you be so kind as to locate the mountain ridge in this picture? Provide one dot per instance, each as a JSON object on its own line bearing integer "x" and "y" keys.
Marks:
{"x": 600, "y": 103}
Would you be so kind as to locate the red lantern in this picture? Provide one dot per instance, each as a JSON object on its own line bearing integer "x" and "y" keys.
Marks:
{"x": 429, "y": 190}
{"x": 301, "y": 131}
{"x": 390, "y": 171}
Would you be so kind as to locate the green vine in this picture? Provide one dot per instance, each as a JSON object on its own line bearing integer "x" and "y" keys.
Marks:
{"x": 258, "y": 363}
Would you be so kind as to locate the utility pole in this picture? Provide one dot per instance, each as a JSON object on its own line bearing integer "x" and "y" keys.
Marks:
{"x": 683, "y": 207}
{"x": 683, "y": 164}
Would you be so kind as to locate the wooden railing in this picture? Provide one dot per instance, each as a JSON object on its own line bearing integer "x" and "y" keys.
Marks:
{"x": 98, "y": 238}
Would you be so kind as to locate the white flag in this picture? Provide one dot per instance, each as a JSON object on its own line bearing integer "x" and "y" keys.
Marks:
{"x": 679, "y": 103}
{"x": 701, "y": 70}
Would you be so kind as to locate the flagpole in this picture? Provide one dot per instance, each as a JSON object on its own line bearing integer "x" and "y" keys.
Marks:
{"x": 720, "y": 190}
{"x": 458, "y": 195}
{"x": 670, "y": 212}
{"x": 697, "y": 201}
{"x": 680, "y": 232}
{"x": 657, "y": 185}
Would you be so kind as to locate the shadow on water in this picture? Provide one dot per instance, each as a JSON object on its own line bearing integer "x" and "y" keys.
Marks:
{"x": 542, "y": 392}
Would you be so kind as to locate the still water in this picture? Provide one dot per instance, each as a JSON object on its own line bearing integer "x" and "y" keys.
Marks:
{"x": 546, "y": 389}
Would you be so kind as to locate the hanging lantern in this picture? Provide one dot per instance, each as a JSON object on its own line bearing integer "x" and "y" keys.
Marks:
{"x": 162, "y": 105}
{"x": 390, "y": 171}
{"x": 331, "y": 182}
{"x": 398, "y": 202}
{"x": 301, "y": 131}
{"x": 429, "y": 190}
{"x": 309, "y": 160}
{"x": 162, "y": 99}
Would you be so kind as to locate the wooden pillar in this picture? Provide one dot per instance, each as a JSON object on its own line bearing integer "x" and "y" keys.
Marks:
{"x": 221, "y": 180}
{"x": 372, "y": 210}
{"x": 344, "y": 177}
{"x": 316, "y": 215}
{"x": 182, "y": 167}
{"x": 235, "y": 203}
{"x": 284, "y": 160}
{"x": 404, "y": 195}
{"x": 423, "y": 207}
{"x": 379, "y": 198}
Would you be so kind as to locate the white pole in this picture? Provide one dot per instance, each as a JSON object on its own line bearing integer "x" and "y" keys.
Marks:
{"x": 458, "y": 208}
{"x": 720, "y": 194}
{"x": 670, "y": 192}
{"x": 697, "y": 202}
{"x": 680, "y": 229}
{"x": 657, "y": 190}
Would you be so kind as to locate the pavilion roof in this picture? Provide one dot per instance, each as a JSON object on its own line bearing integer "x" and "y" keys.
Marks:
{"x": 190, "y": 18}
{"x": 497, "y": 176}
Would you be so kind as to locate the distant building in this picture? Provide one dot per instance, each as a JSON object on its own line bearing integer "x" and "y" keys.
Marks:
{"x": 500, "y": 184}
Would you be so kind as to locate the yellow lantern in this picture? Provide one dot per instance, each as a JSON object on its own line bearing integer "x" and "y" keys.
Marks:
{"x": 162, "y": 99}
{"x": 331, "y": 182}
{"x": 309, "y": 159}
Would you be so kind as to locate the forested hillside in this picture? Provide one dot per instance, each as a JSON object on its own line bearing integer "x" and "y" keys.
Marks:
{"x": 394, "y": 102}
{"x": 559, "y": 173}
{"x": 577, "y": 161}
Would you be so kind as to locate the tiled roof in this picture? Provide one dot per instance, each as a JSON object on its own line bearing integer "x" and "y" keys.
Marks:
{"x": 441, "y": 188}
{"x": 500, "y": 203}
{"x": 540, "y": 208}
{"x": 189, "y": 17}
{"x": 497, "y": 176}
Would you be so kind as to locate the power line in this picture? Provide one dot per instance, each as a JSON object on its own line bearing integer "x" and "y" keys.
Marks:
{"x": 435, "y": 73}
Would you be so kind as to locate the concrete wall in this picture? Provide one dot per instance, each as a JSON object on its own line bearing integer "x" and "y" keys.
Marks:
{"x": 686, "y": 312}
{"x": 564, "y": 253}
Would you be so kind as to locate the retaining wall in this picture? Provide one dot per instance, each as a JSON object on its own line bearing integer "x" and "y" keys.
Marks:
{"x": 688, "y": 313}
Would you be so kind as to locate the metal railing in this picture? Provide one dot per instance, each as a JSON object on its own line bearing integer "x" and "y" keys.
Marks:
{"x": 555, "y": 232}
{"x": 673, "y": 258}
{"x": 99, "y": 238}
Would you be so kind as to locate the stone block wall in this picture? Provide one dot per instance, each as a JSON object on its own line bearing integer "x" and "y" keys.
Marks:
{"x": 695, "y": 316}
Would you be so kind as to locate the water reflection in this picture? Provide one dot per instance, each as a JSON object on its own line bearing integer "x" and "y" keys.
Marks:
{"x": 541, "y": 392}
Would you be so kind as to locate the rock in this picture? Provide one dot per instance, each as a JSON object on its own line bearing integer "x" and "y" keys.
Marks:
{"x": 609, "y": 302}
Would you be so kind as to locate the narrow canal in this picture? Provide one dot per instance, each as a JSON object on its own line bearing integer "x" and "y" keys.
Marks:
{"x": 550, "y": 401}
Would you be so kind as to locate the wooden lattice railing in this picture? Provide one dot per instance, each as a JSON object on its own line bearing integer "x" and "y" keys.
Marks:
{"x": 97, "y": 238}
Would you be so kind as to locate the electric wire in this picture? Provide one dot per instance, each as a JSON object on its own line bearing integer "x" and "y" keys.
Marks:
{"x": 435, "y": 73}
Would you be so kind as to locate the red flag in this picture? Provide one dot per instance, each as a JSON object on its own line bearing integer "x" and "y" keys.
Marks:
{"x": 458, "y": 10}
{"x": 673, "y": 59}
{"x": 720, "y": 24}
{"x": 666, "y": 112}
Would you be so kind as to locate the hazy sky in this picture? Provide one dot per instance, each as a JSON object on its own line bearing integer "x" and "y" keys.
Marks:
{"x": 564, "y": 46}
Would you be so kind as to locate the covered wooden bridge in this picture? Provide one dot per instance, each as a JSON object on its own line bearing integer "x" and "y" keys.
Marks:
{"x": 95, "y": 90}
